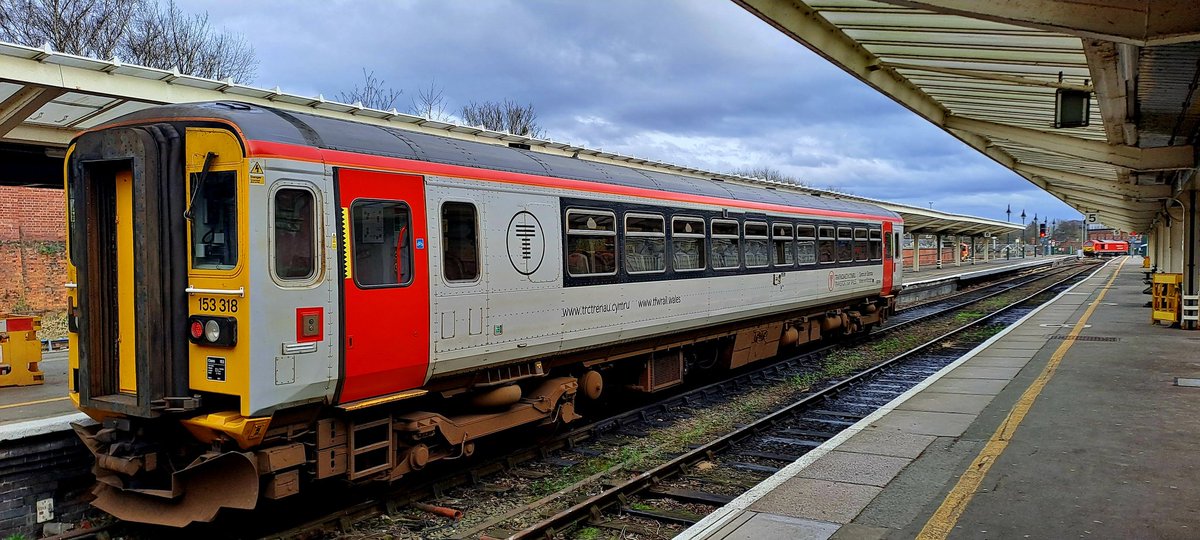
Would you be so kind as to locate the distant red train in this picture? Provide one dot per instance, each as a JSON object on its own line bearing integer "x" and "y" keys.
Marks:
{"x": 1105, "y": 248}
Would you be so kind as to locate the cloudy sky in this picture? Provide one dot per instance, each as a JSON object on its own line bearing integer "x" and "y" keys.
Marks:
{"x": 698, "y": 83}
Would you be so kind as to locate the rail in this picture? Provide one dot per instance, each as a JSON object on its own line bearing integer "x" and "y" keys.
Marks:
{"x": 595, "y": 505}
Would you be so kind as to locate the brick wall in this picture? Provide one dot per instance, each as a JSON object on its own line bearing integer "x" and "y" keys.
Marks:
{"x": 53, "y": 466}
{"x": 32, "y": 256}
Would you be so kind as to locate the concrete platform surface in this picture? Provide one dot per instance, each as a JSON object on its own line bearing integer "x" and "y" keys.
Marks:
{"x": 1086, "y": 435}
{"x": 980, "y": 268}
{"x": 22, "y": 403}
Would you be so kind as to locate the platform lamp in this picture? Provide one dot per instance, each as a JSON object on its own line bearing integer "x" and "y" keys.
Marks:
{"x": 1022, "y": 233}
{"x": 1050, "y": 232}
{"x": 1008, "y": 240}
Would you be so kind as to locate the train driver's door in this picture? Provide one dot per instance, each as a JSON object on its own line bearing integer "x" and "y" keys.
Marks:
{"x": 385, "y": 283}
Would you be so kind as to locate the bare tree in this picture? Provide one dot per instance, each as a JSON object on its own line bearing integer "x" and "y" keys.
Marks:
{"x": 507, "y": 116}
{"x": 769, "y": 173}
{"x": 137, "y": 31}
{"x": 488, "y": 115}
{"x": 92, "y": 28}
{"x": 166, "y": 38}
{"x": 372, "y": 94}
{"x": 430, "y": 103}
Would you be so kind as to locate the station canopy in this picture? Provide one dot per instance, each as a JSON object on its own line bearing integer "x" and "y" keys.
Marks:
{"x": 990, "y": 73}
{"x": 46, "y": 97}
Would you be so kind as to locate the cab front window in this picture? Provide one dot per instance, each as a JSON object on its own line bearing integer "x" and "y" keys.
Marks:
{"x": 213, "y": 214}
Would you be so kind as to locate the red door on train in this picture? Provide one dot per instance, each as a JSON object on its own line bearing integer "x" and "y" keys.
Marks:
{"x": 889, "y": 261}
{"x": 385, "y": 283}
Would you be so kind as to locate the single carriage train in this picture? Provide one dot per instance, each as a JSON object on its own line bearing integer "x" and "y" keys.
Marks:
{"x": 1105, "y": 248}
{"x": 263, "y": 299}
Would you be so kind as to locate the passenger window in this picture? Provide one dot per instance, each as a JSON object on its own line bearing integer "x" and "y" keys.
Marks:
{"x": 897, "y": 252}
{"x": 861, "y": 250}
{"x": 806, "y": 244}
{"x": 645, "y": 243}
{"x": 687, "y": 244}
{"x": 757, "y": 245}
{"x": 295, "y": 238}
{"x": 845, "y": 248}
{"x": 781, "y": 236}
{"x": 591, "y": 243}
{"x": 725, "y": 239}
{"x": 214, "y": 220}
{"x": 382, "y": 243}
{"x": 825, "y": 245}
{"x": 876, "y": 245}
{"x": 460, "y": 242}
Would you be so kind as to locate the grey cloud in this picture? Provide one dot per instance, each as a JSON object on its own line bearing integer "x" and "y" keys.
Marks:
{"x": 703, "y": 84}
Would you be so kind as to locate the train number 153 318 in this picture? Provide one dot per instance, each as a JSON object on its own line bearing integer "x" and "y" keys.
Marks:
{"x": 219, "y": 305}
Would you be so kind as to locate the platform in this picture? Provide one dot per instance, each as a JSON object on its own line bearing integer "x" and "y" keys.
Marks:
{"x": 933, "y": 282}
{"x": 26, "y": 410}
{"x": 967, "y": 270}
{"x": 1029, "y": 436}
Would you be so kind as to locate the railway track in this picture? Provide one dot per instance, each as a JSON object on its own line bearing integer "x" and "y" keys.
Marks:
{"x": 761, "y": 447}
{"x": 539, "y": 465}
{"x": 578, "y": 448}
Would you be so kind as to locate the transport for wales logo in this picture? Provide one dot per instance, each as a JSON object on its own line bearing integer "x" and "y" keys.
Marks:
{"x": 526, "y": 244}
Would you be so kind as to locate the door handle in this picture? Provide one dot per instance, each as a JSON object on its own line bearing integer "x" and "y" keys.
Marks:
{"x": 240, "y": 291}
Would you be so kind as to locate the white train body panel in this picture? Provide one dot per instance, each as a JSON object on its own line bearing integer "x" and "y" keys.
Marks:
{"x": 506, "y": 316}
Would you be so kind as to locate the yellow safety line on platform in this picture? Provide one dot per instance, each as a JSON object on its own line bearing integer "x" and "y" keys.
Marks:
{"x": 33, "y": 402}
{"x": 946, "y": 517}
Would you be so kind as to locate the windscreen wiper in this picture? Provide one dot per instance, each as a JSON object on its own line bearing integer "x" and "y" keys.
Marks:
{"x": 208, "y": 160}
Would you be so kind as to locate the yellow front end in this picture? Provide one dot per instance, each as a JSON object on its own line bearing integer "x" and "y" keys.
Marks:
{"x": 159, "y": 311}
{"x": 219, "y": 283}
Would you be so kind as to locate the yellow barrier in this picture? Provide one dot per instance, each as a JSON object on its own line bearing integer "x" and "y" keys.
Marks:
{"x": 1166, "y": 293}
{"x": 20, "y": 351}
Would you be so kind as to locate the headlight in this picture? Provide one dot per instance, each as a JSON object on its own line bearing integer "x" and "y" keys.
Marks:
{"x": 212, "y": 331}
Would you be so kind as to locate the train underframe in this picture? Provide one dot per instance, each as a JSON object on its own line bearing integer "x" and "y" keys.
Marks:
{"x": 174, "y": 471}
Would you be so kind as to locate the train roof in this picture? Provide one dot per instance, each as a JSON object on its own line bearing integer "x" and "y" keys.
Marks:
{"x": 275, "y": 125}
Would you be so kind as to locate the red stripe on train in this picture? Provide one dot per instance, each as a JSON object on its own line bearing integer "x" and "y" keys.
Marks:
{"x": 268, "y": 149}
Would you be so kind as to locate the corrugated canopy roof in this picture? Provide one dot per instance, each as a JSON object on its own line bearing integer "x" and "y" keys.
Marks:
{"x": 988, "y": 73}
{"x": 46, "y": 97}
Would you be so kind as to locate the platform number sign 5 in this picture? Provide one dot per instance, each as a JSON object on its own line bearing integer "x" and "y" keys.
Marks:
{"x": 1093, "y": 218}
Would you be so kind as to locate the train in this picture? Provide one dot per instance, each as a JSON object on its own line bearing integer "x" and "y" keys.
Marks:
{"x": 263, "y": 300}
{"x": 1105, "y": 248}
